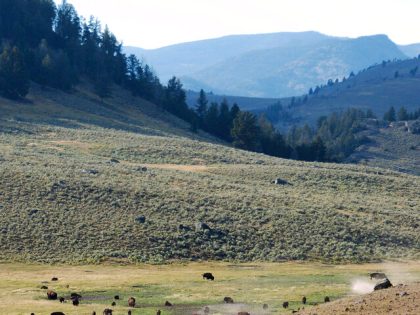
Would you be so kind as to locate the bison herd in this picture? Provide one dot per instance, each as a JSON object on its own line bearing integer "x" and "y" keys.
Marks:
{"x": 75, "y": 297}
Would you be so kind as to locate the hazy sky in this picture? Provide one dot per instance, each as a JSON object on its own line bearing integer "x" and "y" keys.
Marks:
{"x": 157, "y": 23}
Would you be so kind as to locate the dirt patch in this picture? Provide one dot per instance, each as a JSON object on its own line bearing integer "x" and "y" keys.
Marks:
{"x": 178, "y": 167}
{"x": 401, "y": 299}
{"x": 73, "y": 144}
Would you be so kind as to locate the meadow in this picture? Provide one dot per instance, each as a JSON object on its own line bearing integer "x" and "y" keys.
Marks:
{"x": 250, "y": 285}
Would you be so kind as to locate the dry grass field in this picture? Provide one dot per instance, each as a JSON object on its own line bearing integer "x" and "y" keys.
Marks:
{"x": 250, "y": 285}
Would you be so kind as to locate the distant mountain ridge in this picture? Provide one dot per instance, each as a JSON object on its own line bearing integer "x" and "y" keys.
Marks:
{"x": 267, "y": 65}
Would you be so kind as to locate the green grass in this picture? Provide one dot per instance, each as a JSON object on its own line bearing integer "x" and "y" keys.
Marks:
{"x": 250, "y": 285}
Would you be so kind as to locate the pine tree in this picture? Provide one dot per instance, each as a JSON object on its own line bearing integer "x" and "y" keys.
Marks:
{"x": 245, "y": 131}
{"x": 402, "y": 114}
{"x": 14, "y": 76}
{"x": 201, "y": 106}
{"x": 390, "y": 115}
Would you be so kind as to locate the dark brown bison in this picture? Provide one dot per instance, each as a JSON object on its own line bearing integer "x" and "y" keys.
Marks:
{"x": 44, "y": 287}
{"x": 54, "y": 279}
{"x": 228, "y": 300}
{"x": 129, "y": 313}
{"x": 93, "y": 313}
{"x": 107, "y": 311}
{"x": 131, "y": 302}
{"x": 117, "y": 297}
{"x": 57, "y": 313}
{"x": 265, "y": 306}
{"x": 75, "y": 302}
{"x": 304, "y": 300}
{"x": 377, "y": 275}
{"x": 167, "y": 303}
{"x": 285, "y": 304}
{"x": 51, "y": 295}
{"x": 208, "y": 276}
{"x": 385, "y": 284}
{"x": 75, "y": 296}
{"x": 62, "y": 299}
{"x": 158, "y": 312}
{"x": 113, "y": 304}
{"x": 326, "y": 299}
{"x": 243, "y": 313}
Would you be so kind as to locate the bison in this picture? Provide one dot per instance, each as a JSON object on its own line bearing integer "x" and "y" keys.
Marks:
{"x": 326, "y": 299}
{"x": 243, "y": 313}
{"x": 62, "y": 299}
{"x": 167, "y": 303}
{"x": 208, "y": 276}
{"x": 131, "y": 302}
{"x": 107, "y": 311}
{"x": 75, "y": 296}
{"x": 51, "y": 295}
{"x": 285, "y": 304}
{"x": 385, "y": 284}
{"x": 44, "y": 287}
{"x": 228, "y": 300}
{"x": 265, "y": 306}
{"x": 129, "y": 313}
{"x": 54, "y": 279}
{"x": 377, "y": 275}
{"x": 304, "y": 300}
{"x": 75, "y": 302}
{"x": 158, "y": 312}
{"x": 117, "y": 297}
{"x": 57, "y": 313}
{"x": 113, "y": 304}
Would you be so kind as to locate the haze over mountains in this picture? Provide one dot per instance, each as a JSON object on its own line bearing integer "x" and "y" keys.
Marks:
{"x": 269, "y": 65}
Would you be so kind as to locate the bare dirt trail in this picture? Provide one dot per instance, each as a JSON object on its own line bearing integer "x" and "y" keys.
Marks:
{"x": 398, "y": 300}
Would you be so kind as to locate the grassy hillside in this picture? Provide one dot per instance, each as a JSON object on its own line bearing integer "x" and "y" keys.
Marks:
{"x": 393, "y": 147}
{"x": 63, "y": 199}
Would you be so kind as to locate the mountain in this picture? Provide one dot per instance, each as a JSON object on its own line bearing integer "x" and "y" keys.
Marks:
{"x": 378, "y": 87}
{"x": 412, "y": 50}
{"x": 86, "y": 180}
{"x": 268, "y": 65}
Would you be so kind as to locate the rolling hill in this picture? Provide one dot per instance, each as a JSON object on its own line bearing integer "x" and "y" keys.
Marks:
{"x": 377, "y": 88}
{"x": 85, "y": 180}
{"x": 268, "y": 65}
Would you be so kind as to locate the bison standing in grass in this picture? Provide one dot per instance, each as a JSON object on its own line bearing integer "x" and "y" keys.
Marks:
{"x": 107, "y": 311}
{"x": 228, "y": 300}
{"x": 131, "y": 302}
{"x": 51, "y": 295}
{"x": 208, "y": 276}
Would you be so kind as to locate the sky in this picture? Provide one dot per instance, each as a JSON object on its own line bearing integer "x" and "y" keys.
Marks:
{"x": 157, "y": 23}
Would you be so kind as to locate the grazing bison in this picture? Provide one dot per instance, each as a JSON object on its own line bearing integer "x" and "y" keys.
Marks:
{"x": 51, "y": 295}
{"x": 304, "y": 300}
{"x": 228, "y": 300}
{"x": 131, "y": 302}
{"x": 117, "y": 297}
{"x": 44, "y": 287}
{"x": 326, "y": 299}
{"x": 107, "y": 311}
{"x": 57, "y": 313}
{"x": 208, "y": 276}
{"x": 285, "y": 304}
{"x": 75, "y": 302}
{"x": 75, "y": 296}
{"x": 265, "y": 306}
{"x": 243, "y": 313}
{"x": 377, "y": 275}
{"x": 279, "y": 181}
{"x": 54, "y": 279}
{"x": 385, "y": 284}
{"x": 113, "y": 304}
{"x": 62, "y": 300}
{"x": 167, "y": 303}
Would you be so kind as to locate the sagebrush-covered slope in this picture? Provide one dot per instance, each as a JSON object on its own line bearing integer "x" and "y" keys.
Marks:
{"x": 63, "y": 199}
